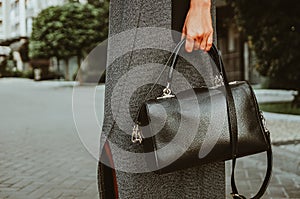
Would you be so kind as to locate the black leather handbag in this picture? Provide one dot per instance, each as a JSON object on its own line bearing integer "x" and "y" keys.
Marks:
{"x": 175, "y": 139}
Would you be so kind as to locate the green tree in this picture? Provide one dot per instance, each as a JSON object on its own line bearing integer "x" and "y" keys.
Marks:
{"x": 96, "y": 3}
{"x": 69, "y": 30}
{"x": 272, "y": 28}
{"x": 45, "y": 37}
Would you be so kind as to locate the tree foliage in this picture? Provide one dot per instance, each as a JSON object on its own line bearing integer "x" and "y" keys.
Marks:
{"x": 72, "y": 29}
{"x": 98, "y": 3}
{"x": 69, "y": 30}
{"x": 273, "y": 30}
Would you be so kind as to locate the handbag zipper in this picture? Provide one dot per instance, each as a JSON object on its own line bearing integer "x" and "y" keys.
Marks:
{"x": 264, "y": 122}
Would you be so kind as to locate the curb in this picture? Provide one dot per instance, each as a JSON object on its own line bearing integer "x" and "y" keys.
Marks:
{"x": 274, "y": 95}
{"x": 281, "y": 116}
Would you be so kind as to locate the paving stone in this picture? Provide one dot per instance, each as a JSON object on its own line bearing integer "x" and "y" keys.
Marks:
{"x": 294, "y": 193}
{"x": 53, "y": 193}
{"x": 39, "y": 193}
{"x": 21, "y": 184}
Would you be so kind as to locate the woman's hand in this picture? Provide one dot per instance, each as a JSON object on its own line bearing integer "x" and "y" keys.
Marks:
{"x": 197, "y": 27}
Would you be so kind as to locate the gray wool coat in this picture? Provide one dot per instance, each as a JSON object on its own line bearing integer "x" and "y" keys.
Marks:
{"x": 135, "y": 58}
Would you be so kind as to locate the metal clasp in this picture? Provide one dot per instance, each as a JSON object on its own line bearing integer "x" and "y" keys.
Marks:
{"x": 219, "y": 81}
{"x": 232, "y": 83}
{"x": 237, "y": 196}
{"x": 167, "y": 93}
{"x": 136, "y": 135}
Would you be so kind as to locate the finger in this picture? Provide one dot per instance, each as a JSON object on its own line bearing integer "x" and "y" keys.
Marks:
{"x": 196, "y": 45}
{"x": 209, "y": 42}
{"x": 203, "y": 42}
{"x": 189, "y": 44}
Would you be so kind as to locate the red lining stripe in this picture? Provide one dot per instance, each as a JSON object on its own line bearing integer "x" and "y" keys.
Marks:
{"x": 111, "y": 162}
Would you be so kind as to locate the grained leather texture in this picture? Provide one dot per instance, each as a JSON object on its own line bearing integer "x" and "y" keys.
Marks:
{"x": 177, "y": 129}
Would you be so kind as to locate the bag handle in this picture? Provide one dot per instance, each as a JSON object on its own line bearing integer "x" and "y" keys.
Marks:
{"x": 213, "y": 54}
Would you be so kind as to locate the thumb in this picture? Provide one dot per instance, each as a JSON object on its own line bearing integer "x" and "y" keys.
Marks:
{"x": 183, "y": 34}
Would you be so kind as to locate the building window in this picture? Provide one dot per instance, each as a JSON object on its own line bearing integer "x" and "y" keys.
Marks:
{"x": 1, "y": 27}
{"x": 27, "y": 4}
{"x": 29, "y": 26}
{"x": 17, "y": 27}
{"x": 1, "y": 7}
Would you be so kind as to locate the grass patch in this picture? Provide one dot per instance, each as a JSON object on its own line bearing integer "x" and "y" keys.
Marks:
{"x": 280, "y": 107}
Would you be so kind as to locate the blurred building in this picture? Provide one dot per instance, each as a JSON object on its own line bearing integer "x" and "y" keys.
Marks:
{"x": 16, "y": 17}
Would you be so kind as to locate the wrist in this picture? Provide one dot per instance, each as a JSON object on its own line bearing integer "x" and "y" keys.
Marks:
{"x": 200, "y": 3}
